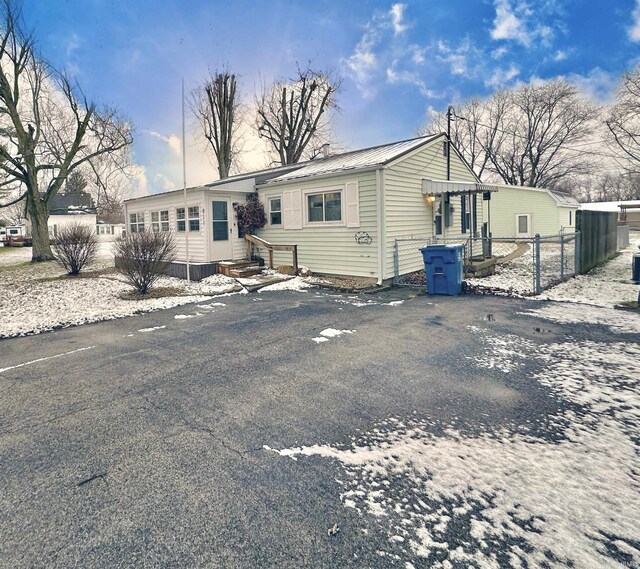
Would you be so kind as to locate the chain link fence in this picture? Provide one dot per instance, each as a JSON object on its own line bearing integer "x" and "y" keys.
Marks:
{"x": 524, "y": 266}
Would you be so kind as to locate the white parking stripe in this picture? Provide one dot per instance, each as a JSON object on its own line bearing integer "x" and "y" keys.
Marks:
{"x": 3, "y": 369}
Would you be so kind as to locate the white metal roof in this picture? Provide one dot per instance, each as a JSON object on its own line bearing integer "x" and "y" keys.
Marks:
{"x": 437, "y": 187}
{"x": 608, "y": 206}
{"x": 354, "y": 160}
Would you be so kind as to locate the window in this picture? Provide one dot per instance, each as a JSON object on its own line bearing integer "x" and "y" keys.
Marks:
{"x": 180, "y": 221}
{"x": 194, "y": 218}
{"x": 324, "y": 207}
{"x": 523, "y": 225}
{"x": 465, "y": 214}
{"x": 570, "y": 216}
{"x": 220, "y": 221}
{"x": 160, "y": 220}
{"x": 437, "y": 218}
{"x": 275, "y": 211}
{"x": 136, "y": 222}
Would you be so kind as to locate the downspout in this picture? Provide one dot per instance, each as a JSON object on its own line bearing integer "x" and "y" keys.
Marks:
{"x": 380, "y": 222}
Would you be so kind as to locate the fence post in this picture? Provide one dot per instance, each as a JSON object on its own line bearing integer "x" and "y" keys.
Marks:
{"x": 538, "y": 289}
{"x": 578, "y": 251}
{"x": 396, "y": 265}
{"x": 561, "y": 256}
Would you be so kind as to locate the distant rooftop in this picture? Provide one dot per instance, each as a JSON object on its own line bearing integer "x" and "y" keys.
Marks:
{"x": 609, "y": 206}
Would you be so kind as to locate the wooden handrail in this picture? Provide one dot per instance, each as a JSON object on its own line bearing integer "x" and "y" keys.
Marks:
{"x": 271, "y": 247}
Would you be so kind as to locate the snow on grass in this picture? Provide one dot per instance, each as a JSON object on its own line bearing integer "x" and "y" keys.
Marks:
{"x": 320, "y": 339}
{"x": 38, "y": 297}
{"x": 297, "y": 284}
{"x": 504, "y": 497}
{"x": 606, "y": 285}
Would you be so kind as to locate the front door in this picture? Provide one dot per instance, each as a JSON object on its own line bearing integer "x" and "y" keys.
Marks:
{"x": 222, "y": 231}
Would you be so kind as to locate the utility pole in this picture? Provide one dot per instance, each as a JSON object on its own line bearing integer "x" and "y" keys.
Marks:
{"x": 449, "y": 113}
{"x": 184, "y": 189}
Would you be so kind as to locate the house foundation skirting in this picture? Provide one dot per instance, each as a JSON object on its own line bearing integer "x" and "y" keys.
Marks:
{"x": 197, "y": 271}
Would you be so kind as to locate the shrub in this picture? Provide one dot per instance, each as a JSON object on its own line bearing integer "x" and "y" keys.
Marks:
{"x": 75, "y": 246}
{"x": 143, "y": 257}
{"x": 251, "y": 215}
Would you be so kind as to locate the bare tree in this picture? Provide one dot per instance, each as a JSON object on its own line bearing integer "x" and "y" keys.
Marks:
{"x": 216, "y": 105}
{"x": 530, "y": 136}
{"x": 110, "y": 183}
{"x": 466, "y": 134}
{"x": 624, "y": 120}
{"x": 48, "y": 128}
{"x": 292, "y": 114}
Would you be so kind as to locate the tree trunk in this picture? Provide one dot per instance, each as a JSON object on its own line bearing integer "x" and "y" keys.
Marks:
{"x": 38, "y": 214}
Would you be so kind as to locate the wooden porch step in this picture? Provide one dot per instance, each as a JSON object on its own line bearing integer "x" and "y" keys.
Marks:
{"x": 247, "y": 271}
{"x": 225, "y": 267}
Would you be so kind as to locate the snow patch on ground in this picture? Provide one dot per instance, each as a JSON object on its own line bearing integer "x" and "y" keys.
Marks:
{"x": 620, "y": 321}
{"x": 152, "y": 329}
{"x": 187, "y": 316}
{"x": 328, "y": 333}
{"x": 503, "y": 497}
{"x": 297, "y": 284}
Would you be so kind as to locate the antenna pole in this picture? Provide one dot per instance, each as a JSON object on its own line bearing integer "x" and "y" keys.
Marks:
{"x": 184, "y": 188}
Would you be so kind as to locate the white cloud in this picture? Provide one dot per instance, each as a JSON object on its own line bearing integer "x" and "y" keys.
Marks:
{"x": 634, "y": 31}
{"x": 395, "y": 76}
{"x": 397, "y": 15}
{"x": 462, "y": 59}
{"x": 172, "y": 141}
{"x": 499, "y": 52}
{"x": 516, "y": 21}
{"x": 560, "y": 55}
{"x": 508, "y": 26}
{"x": 501, "y": 77}
{"x": 140, "y": 182}
{"x": 598, "y": 85}
{"x": 380, "y": 43}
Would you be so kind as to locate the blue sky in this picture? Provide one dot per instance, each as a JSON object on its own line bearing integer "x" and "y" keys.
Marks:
{"x": 397, "y": 59}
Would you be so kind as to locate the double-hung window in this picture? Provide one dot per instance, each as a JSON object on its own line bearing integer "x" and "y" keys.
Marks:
{"x": 324, "y": 207}
{"x": 160, "y": 220}
{"x": 180, "y": 220}
{"x": 194, "y": 218}
{"x": 136, "y": 222}
{"x": 275, "y": 211}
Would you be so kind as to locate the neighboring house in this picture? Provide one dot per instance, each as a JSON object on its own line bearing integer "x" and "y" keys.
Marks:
{"x": 65, "y": 209}
{"x": 343, "y": 211}
{"x": 520, "y": 211}
{"x": 12, "y": 231}
{"x": 109, "y": 231}
{"x": 628, "y": 211}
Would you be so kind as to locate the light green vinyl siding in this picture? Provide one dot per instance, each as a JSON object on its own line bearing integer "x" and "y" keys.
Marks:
{"x": 406, "y": 212}
{"x": 329, "y": 249}
{"x": 546, "y": 216}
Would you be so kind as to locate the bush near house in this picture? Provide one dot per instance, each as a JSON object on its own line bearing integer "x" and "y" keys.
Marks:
{"x": 143, "y": 257}
{"x": 251, "y": 215}
{"x": 75, "y": 246}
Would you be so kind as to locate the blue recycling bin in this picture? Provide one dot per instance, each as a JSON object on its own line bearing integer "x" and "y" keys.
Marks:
{"x": 443, "y": 268}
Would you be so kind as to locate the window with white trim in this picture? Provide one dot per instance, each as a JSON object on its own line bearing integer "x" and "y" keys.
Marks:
{"x": 275, "y": 211}
{"x": 180, "y": 220}
{"x": 160, "y": 220}
{"x": 136, "y": 222}
{"x": 324, "y": 207}
{"x": 194, "y": 218}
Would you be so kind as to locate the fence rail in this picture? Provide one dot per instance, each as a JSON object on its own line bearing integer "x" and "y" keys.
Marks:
{"x": 521, "y": 265}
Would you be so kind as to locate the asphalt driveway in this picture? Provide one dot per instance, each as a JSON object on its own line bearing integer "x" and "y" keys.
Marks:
{"x": 140, "y": 442}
